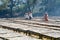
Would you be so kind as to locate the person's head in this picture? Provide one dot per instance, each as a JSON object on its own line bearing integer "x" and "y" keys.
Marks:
{"x": 30, "y": 12}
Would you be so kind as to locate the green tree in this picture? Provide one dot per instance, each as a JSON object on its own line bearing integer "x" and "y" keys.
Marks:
{"x": 4, "y": 4}
{"x": 31, "y": 3}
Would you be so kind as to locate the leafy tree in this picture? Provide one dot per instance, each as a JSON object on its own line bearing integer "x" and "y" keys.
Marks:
{"x": 4, "y": 4}
{"x": 31, "y": 3}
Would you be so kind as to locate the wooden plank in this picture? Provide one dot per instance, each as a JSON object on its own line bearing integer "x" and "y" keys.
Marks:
{"x": 43, "y": 31}
{"x": 41, "y": 23}
{"x": 11, "y": 35}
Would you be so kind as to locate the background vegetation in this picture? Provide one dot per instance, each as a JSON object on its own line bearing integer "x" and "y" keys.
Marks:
{"x": 37, "y": 7}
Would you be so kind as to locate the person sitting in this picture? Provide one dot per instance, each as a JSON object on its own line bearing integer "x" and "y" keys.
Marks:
{"x": 30, "y": 15}
{"x": 26, "y": 16}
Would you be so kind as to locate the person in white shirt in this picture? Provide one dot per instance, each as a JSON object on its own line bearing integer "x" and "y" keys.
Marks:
{"x": 26, "y": 16}
{"x": 30, "y": 15}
